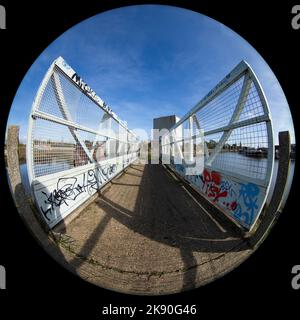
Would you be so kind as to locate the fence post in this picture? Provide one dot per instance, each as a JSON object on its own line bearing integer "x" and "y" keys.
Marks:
{"x": 14, "y": 175}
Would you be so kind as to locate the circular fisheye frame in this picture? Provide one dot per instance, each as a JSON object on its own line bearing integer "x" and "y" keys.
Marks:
{"x": 149, "y": 149}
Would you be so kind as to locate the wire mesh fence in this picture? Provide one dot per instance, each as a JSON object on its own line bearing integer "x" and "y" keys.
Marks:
{"x": 70, "y": 130}
{"x": 234, "y": 124}
{"x": 237, "y": 137}
{"x": 75, "y": 145}
{"x": 245, "y": 151}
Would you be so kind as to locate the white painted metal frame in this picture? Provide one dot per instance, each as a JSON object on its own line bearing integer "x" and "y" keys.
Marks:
{"x": 66, "y": 120}
{"x": 243, "y": 69}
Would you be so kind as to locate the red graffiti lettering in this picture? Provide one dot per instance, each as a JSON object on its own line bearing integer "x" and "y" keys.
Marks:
{"x": 212, "y": 183}
{"x": 233, "y": 205}
{"x": 216, "y": 178}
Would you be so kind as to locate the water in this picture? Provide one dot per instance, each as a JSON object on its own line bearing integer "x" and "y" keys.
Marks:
{"x": 252, "y": 167}
{"x": 50, "y": 168}
{"x": 241, "y": 164}
{"x": 24, "y": 177}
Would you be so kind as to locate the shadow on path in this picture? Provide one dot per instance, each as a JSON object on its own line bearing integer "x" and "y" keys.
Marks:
{"x": 165, "y": 213}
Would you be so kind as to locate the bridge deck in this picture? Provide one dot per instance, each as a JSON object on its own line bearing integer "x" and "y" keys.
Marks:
{"x": 148, "y": 234}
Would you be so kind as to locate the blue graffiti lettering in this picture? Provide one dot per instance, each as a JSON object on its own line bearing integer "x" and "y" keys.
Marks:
{"x": 248, "y": 194}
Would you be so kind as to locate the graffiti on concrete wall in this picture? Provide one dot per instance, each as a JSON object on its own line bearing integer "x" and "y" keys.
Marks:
{"x": 59, "y": 197}
{"x": 248, "y": 205}
{"x": 241, "y": 200}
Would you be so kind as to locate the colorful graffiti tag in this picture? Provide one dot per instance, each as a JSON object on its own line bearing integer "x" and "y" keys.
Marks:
{"x": 242, "y": 201}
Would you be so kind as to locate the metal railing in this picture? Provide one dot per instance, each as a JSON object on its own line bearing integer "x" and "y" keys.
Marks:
{"x": 76, "y": 144}
{"x": 238, "y": 149}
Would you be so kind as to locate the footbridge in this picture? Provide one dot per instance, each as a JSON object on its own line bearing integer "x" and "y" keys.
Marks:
{"x": 111, "y": 216}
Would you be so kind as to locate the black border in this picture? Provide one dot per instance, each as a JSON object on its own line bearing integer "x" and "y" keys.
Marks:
{"x": 262, "y": 282}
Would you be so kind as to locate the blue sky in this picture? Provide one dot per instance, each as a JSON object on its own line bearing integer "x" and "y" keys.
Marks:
{"x": 149, "y": 61}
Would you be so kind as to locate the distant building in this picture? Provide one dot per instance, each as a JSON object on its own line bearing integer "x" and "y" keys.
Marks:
{"x": 163, "y": 123}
